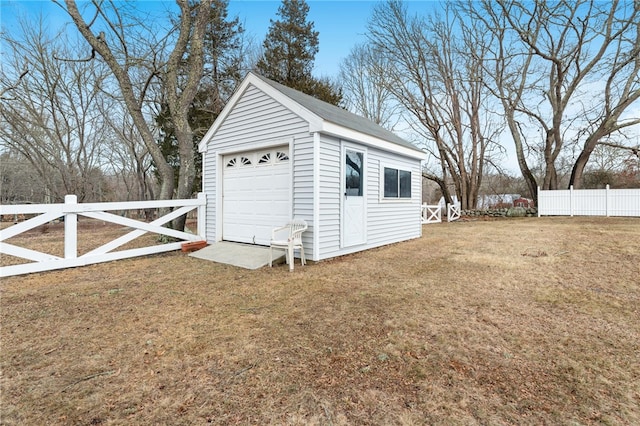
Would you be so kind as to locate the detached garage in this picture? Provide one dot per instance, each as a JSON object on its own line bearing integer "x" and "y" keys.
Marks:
{"x": 275, "y": 154}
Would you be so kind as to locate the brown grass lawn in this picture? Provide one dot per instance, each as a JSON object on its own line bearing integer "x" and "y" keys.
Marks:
{"x": 529, "y": 321}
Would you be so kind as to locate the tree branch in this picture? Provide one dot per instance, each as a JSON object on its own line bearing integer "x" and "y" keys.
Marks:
{"x": 14, "y": 86}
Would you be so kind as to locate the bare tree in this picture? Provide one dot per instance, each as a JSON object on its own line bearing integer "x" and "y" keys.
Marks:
{"x": 8, "y": 86}
{"x": 363, "y": 81}
{"x": 435, "y": 70}
{"x": 49, "y": 115}
{"x": 129, "y": 159}
{"x": 109, "y": 32}
{"x": 565, "y": 73}
{"x": 224, "y": 58}
{"x": 509, "y": 71}
{"x": 621, "y": 91}
{"x": 19, "y": 181}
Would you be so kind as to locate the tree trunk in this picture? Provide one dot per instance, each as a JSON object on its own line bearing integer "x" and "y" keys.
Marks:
{"x": 605, "y": 128}
{"x": 442, "y": 184}
{"x": 191, "y": 42}
{"x": 134, "y": 107}
{"x": 530, "y": 180}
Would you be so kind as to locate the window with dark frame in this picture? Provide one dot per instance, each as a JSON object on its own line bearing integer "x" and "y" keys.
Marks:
{"x": 397, "y": 183}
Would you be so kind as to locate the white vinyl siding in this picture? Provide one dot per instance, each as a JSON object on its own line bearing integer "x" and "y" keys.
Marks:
{"x": 303, "y": 187}
{"x": 329, "y": 197}
{"x": 398, "y": 220}
{"x": 255, "y": 118}
{"x": 387, "y": 222}
{"x": 209, "y": 188}
{"x": 258, "y": 119}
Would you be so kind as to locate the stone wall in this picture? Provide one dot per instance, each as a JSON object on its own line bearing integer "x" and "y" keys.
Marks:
{"x": 510, "y": 212}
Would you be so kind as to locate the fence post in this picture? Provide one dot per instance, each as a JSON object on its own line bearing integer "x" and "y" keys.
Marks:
{"x": 70, "y": 228}
{"x": 202, "y": 215}
{"x": 571, "y": 200}
{"x": 538, "y": 198}
{"x": 606, "y": 203}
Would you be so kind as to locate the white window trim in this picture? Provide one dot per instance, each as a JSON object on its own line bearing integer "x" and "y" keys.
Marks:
{"x": 399, "y": 167}
{"x": 261, "y": 145}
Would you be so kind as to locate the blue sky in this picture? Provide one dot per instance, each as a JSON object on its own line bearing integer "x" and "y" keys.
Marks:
{"x": 341, "y": 24}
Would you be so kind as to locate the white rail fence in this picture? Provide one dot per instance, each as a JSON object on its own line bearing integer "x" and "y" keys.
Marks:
{"x": 432, "y": 213}
{"x": 453, "y": 212}
{"x": 70, "y": 211}
{"x": 589, "y": 202}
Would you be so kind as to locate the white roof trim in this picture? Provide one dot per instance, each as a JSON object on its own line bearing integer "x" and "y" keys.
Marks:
{"x": 373, "y": 141}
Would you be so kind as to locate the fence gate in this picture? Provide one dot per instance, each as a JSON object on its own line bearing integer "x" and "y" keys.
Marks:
{"x": 453, "y": 212}
{"x": 431, "y": 213}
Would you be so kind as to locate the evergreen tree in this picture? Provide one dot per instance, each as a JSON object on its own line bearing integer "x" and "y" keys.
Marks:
{"x": 290, "y": 48}
{"x": 223, "y": 49}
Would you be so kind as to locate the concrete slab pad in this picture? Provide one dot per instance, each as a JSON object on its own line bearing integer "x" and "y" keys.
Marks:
{"x": 242, "y": 255}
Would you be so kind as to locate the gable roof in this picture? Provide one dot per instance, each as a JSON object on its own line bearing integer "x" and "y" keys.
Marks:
{"x": 322, "y": 117}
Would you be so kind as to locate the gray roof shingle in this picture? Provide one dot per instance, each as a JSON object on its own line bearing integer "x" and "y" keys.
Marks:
{"x": 337, "y": 115}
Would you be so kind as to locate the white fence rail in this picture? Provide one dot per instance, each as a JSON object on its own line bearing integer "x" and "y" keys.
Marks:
{"x": 71, "y": 209}
{"x": 589, "y": 202}
{"x": 453, "y": 212}
{"x": 431, "y": 213}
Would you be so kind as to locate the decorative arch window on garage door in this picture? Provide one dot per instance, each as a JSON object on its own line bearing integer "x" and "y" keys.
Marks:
{"x": 272, "y": 157}
{"x": 265, "y": 158}
{"x": 241, "y": 161}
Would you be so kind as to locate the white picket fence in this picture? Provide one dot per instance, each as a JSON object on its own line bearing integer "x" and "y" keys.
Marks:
{"x": 70, "y": 210}
{"x": 589, "y": 202}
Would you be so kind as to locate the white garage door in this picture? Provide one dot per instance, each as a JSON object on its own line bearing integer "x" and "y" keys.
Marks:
{"x": 256, "y": 194}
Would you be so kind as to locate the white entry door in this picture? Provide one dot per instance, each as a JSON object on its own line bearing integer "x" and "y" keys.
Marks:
{"x": 353, "y": 227}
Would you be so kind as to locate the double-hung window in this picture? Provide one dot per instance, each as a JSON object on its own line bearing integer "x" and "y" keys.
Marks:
{"x": 397, "y": 183}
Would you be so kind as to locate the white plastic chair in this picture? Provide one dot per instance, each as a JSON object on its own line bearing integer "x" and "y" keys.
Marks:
{"x": 289, "y": 243}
